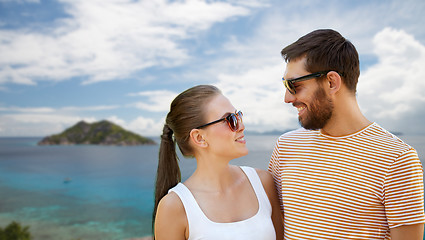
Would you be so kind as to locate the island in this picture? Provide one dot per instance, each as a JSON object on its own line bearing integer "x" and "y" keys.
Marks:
{"x": 98, "y": 133}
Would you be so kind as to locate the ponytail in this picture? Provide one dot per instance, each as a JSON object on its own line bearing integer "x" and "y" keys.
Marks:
{"x": 168, "y": 172}
{"x": 186, "y": 113}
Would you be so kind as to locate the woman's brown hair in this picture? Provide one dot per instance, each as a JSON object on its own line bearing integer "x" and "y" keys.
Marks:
{"x": 186, "y": 113}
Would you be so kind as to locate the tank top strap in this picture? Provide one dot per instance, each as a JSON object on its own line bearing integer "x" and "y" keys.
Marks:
{"x": 193, "y": 211}
{"x": 254, "y": 179}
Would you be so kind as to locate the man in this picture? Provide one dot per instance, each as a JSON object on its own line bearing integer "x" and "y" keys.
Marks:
{"x": 341, "y": 176}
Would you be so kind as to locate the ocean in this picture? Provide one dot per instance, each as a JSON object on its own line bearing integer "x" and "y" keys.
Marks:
{"x": 96, "y": 192}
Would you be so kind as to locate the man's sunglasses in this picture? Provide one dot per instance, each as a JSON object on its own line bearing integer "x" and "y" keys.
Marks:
{"x": 232, "y": 120}
{"x": 289, "y": 84}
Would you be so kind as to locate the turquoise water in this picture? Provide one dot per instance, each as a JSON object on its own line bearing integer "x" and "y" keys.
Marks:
{"x": 108, "y": 195}
{"x": 86, "y": 192}
{"x": 94, "y": 192}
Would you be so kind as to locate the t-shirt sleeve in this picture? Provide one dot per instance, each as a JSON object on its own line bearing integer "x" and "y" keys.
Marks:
{"x": 404, "y": 191}
{"x": 274, "y": 169}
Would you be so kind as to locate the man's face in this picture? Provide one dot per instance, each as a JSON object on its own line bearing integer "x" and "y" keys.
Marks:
{"x": 314, "y": 106}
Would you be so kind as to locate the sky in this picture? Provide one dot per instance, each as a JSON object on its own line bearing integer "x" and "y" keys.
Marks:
{"x": 63, "y": 61}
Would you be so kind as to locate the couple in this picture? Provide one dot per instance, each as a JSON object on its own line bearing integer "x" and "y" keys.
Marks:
{"x": 339, "y": 177}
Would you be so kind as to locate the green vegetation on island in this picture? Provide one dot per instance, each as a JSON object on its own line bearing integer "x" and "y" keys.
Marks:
{"x": 14, "y": 231}
{"x": 98, "y": 133}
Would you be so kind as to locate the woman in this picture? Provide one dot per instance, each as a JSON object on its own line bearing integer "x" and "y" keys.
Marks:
{"x": 219, "y": 200}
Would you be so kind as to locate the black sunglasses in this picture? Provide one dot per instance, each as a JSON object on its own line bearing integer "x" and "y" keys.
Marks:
{"x": 232, "y": 120}
{"x": 289, "y": 84}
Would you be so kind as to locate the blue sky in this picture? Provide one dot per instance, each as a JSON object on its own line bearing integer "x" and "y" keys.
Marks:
{"x": 125, "y": 60}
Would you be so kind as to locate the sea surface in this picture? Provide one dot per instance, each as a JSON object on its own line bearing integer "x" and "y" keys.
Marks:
{"x": 96, "y": 192}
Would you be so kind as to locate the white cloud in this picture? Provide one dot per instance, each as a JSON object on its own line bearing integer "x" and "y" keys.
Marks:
{"x": 105, "y": 40}
{"x": 27, "y": 110}
{"x": 394, "y": 86}
{"x": 43, "y": 118}
{"x": 259, "y": 93}
{"x": 36, "y": 124}
{"x": 108, "y": 40}
{"x": 20, "y": 1}
{"x": 7, "y": 74}
{"x": 88, "y": 108}
{"x": 58, "y": 110}
{"x": 42, "y": 121}
{"x": 157, "y": 101}
{"x": 146, "y": 126}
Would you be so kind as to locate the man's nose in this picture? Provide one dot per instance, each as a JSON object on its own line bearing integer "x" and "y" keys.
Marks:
{"x": 289, "y": 97}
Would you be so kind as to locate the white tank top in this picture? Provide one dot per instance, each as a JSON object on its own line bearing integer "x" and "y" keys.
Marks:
{"x": 259, "y": 226}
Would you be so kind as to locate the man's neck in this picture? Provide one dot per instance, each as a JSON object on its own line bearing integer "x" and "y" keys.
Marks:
{"x": 346, "y": 119}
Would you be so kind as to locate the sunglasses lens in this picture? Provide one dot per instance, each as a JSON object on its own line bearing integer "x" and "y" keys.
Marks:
{"x": 233, "y": 122}
{"x": 289, "y": 86}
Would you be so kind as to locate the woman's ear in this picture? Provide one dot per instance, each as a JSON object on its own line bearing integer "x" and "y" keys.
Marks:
{"x": 334, "y": 81}
{"x": 197, "y": 138}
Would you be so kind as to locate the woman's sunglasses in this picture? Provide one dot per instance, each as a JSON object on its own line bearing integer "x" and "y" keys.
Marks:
{"x": 232, "y": 120}
{"x": 289, "y": 84}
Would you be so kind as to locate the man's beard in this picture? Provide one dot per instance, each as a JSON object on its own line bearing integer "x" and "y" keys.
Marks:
{"x": 319, "y": 112}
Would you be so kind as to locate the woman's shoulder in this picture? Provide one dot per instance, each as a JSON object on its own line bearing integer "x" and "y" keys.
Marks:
{"x": 170, "y": 217}
{"x": 265, "y": 176}
{"x": 171, "y": 203}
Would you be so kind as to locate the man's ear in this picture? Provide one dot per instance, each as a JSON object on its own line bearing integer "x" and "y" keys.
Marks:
{"x": 334, "y": 82}
{"x": 197, "y": 138}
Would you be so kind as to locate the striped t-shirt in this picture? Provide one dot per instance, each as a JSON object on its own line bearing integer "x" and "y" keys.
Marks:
{"x": 351, "y": 187}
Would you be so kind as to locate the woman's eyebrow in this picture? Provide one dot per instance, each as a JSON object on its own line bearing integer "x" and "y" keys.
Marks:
{"x": 227, "y": 114}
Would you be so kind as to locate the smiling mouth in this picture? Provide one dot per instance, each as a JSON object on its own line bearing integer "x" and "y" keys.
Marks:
{"x": 241, "y": 139}
{"x": 300, "y": 109}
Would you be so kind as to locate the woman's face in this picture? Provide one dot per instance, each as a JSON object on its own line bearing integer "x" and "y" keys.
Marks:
{"x": 222, "y": 141}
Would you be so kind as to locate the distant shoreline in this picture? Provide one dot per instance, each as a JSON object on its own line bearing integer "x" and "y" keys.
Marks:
{"x": 247, "y": 132}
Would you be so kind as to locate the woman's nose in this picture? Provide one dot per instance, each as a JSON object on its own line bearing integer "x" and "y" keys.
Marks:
{"x": 241, "y": 125}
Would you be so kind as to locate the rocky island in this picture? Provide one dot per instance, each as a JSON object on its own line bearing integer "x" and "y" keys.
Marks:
{"x": 98, "y": 133}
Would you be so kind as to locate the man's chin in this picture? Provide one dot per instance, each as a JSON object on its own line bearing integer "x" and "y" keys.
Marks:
{"x": 308, "y": 125}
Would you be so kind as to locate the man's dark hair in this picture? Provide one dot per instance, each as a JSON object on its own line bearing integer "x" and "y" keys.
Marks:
{"x": 326, "y": 49}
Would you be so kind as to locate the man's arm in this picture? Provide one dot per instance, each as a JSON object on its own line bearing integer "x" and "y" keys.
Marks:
{"x": 404, "y": 197}
{"x": 269, "y": 187}
{"x": 408, "y": 232}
